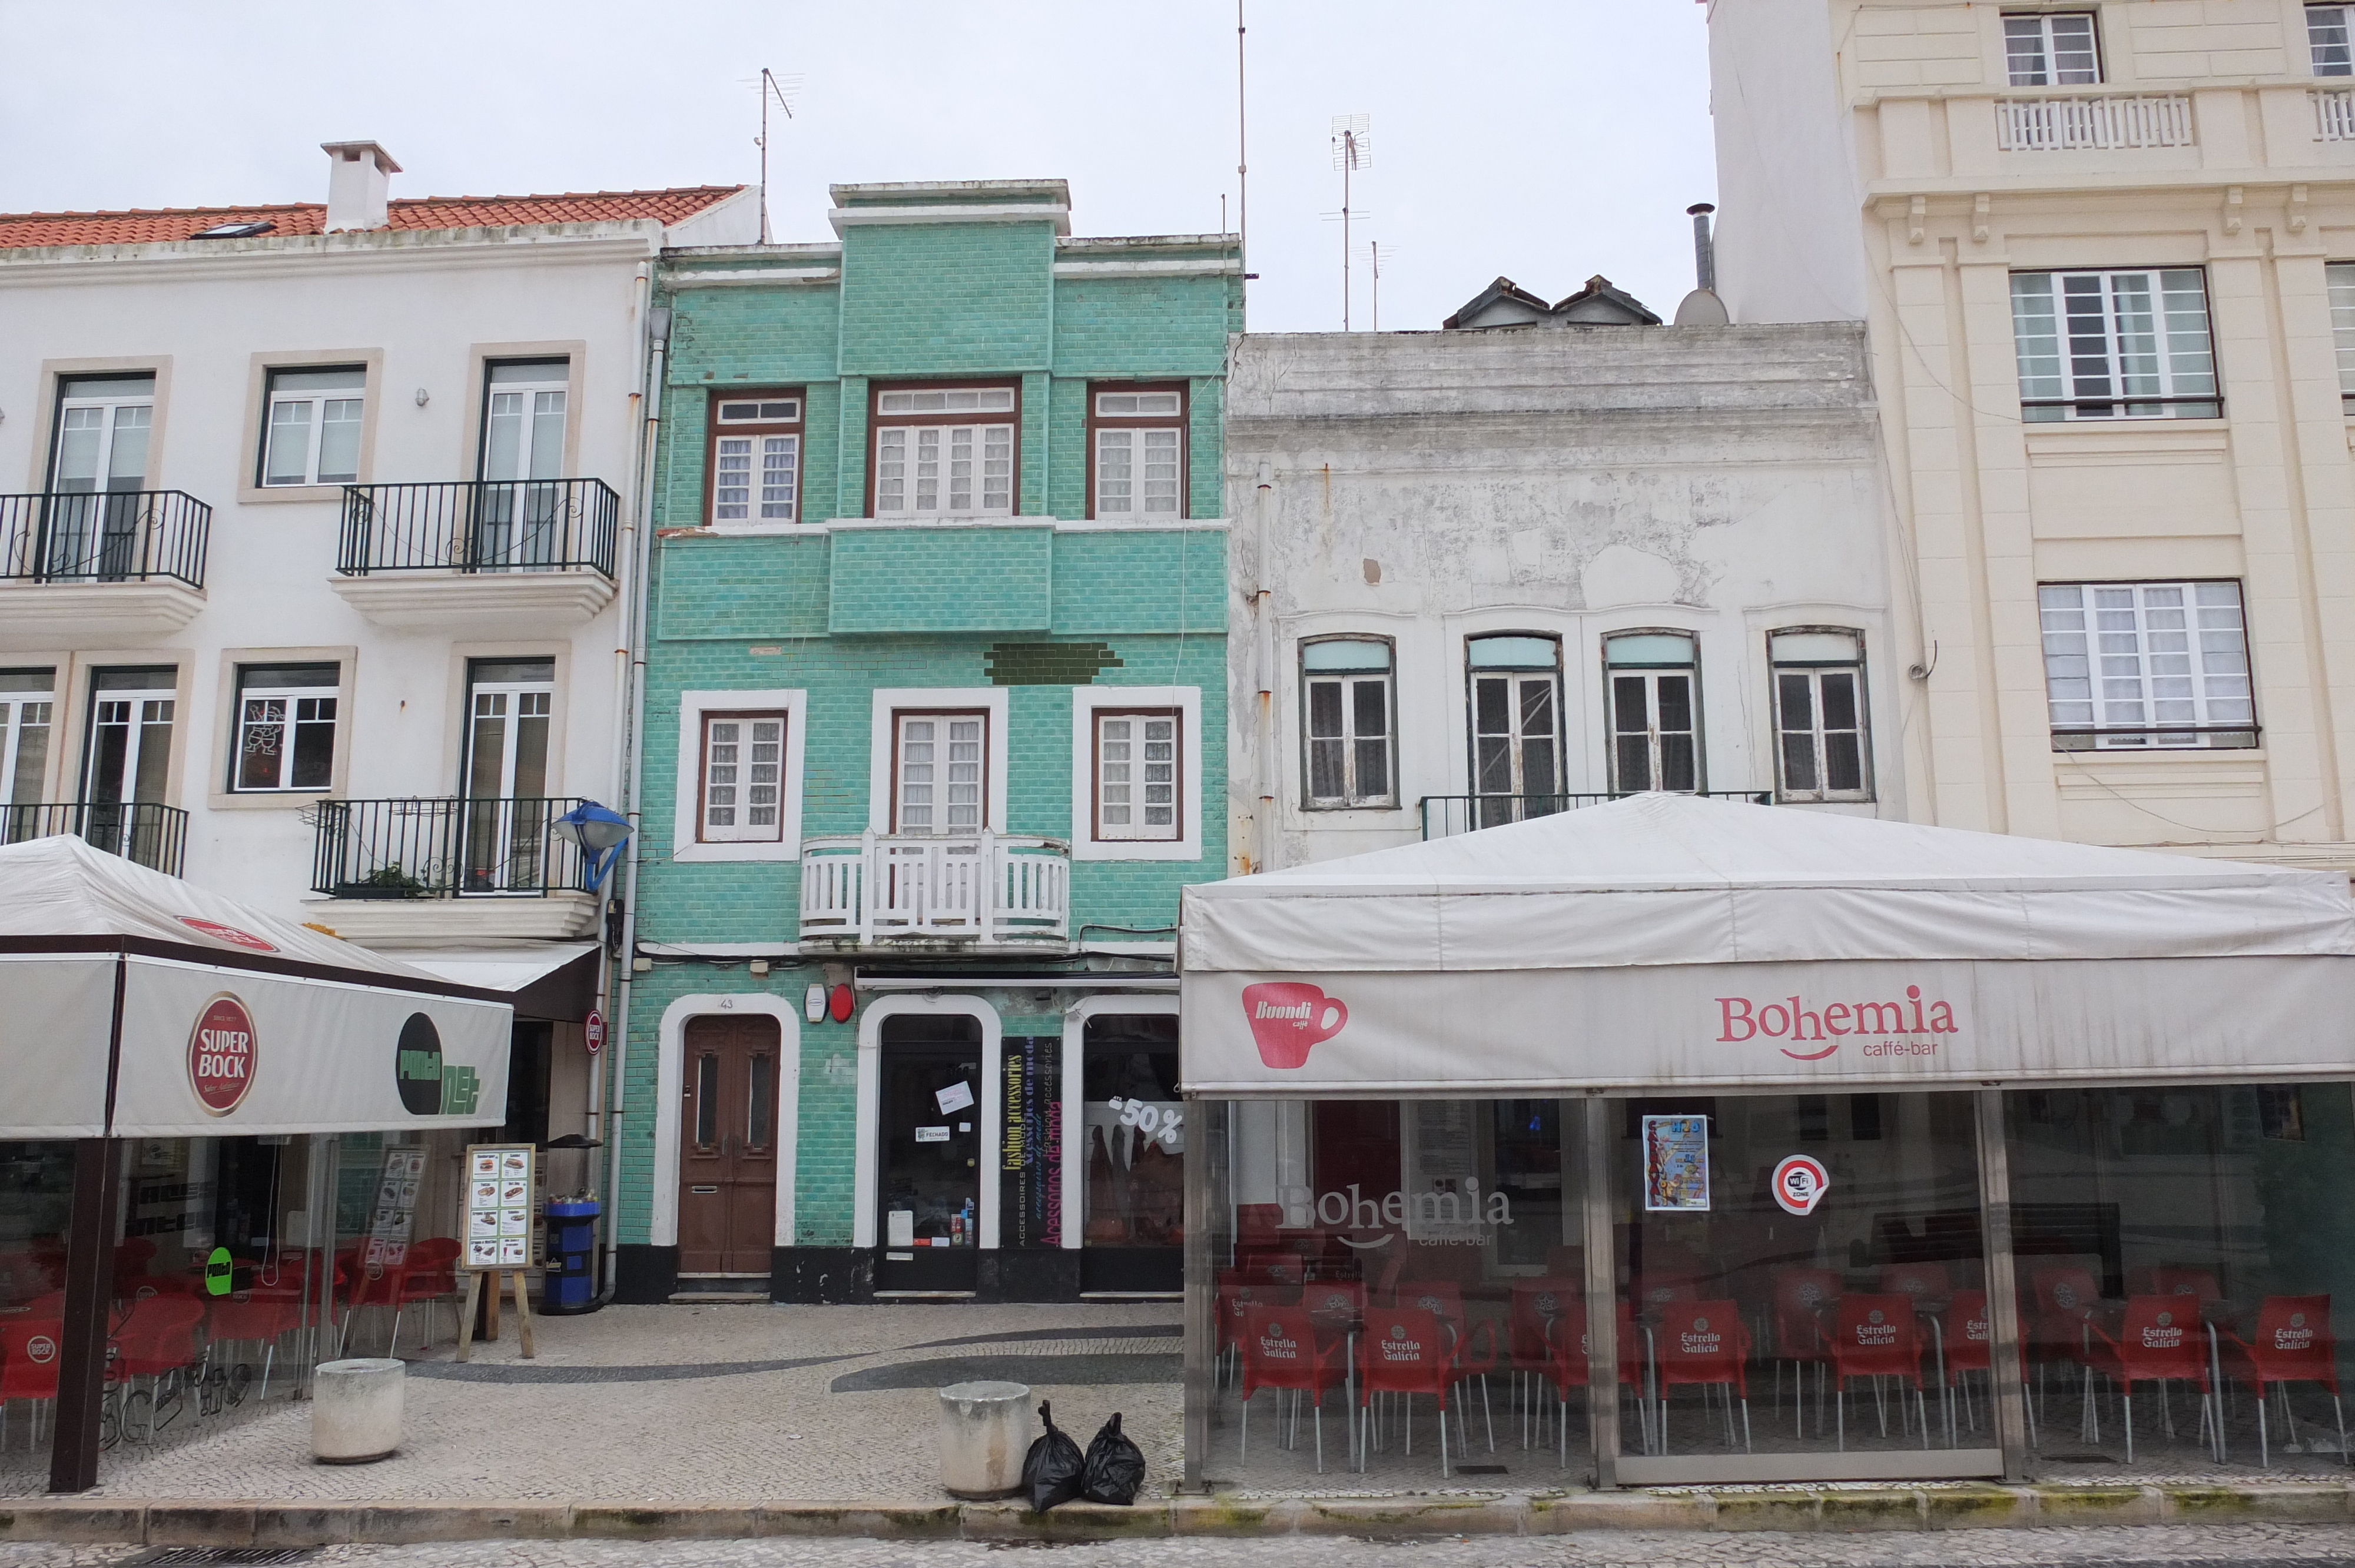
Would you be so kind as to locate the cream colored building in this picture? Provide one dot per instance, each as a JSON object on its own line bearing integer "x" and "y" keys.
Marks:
{"x": 2098, "y": 247}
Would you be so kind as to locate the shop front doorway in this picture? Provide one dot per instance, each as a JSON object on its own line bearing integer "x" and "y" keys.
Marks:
{"x": 1133, "y": 1240}
{"x": 728, "y": 1147}
{"x": 931, "y": 1141}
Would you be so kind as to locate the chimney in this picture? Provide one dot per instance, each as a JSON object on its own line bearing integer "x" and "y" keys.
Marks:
{"x": 1704, "y": 248}
{"x": 359, "y": 180}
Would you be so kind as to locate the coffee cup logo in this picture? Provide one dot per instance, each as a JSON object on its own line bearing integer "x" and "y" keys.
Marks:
{"x": 417, "y": 1066}
{"x": 221, "y": 1054}
{"x": 1288, "y": 1017}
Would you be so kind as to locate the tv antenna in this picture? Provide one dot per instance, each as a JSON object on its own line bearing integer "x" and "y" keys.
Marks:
{"x": 784, "y": 90}
{"x": 1353, "y": 152}
{"x": 1374, "y": 254}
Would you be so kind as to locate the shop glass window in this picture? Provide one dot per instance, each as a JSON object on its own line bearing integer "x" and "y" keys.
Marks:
{"x": 755, "y": 457}
{"x": 940, "y": 772}
{"x": 2052, "y": 48}
{"x": 940, "y": 452}
{"x": 2111, "y": 345}
{"x": 27, "y": 704}
{"x": 1515, "y": 728}
{"x": 311, "y": 434}
{"x": 285, "y": 727}
{"x": 1139, "y": 449}
{"x": 1346, "y": 683}
{"x": 2327, "y": 40}
{"x": 1819, "y": 723}
{"x": 1653, "y": 682}
{"x": 1132, "y": 1192}
{"x": 2142, "y": 666}
{"x": 2341, "y": 278}
{"x": 1137, "y": 775}
{"x": 743, "y": 778}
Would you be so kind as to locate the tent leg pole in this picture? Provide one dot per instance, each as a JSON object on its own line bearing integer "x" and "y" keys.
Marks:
{"x": 82, "y": 1371}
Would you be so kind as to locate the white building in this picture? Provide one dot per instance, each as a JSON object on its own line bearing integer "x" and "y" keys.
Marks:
{"x": 1495, "y": 572}
{"x": 322, "y": 526}
{"x": 2103, "y": 251}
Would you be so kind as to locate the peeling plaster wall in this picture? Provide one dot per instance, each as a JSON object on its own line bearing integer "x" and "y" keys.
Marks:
{"x": 1433, "y": 486}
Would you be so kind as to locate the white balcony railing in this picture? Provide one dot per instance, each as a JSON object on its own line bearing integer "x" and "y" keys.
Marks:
{"x": 2073, "y": 125}
{"x": 2334, "y": 115}
{"x": 985, "y": 888}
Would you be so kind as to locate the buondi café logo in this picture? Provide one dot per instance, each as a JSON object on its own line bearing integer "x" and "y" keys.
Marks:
{"x": 221, "y": 1053}
{"x": 1289, "y": 1017}
{"x": 1913, "y": 1027}
{"x": 429, "y": 1086}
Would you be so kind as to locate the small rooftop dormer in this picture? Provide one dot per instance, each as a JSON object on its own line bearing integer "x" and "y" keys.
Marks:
{"x": 1505, "y": 303}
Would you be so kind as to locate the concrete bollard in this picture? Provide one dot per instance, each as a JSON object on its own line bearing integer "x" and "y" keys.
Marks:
{"x": 985, "y": 1434}
{"x": 355, "y": 1409}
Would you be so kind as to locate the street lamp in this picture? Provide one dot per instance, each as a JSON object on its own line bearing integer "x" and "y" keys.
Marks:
{"x": 600, "y": 833}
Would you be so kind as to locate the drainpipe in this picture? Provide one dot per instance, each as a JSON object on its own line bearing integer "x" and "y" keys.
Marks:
{"x": 1263, "y": 655}
{"x": 658, "y": 342}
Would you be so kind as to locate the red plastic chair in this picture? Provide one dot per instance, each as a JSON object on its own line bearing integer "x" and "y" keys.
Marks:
{"x": 1444, "y": 1297}
{"x": 1703, "y": 1344}
{"x": 1280, "y": 1351}
{"x": 1966, "y": 1343}
{"x": 2161, "y": 1340}
{"x": 1802, "y": 1297}
{"x": 156, "y": 1339}
{"x": 1530, "y": 1313}
{"x": 28, "y": 1367}
{"x": 252, "y": 1319}
{"x": 2293, "y": 1344}
{"x": 2200, "y": 1282}
{"x": 1876, "y": 1336}
{"x": 1237, "y": 1294}
{"x": 1917, "y": 1280}
{"x": 1404, "y": 1351}
{"x": 2063, "y": 1296}
{"x": 429, "y": 1274}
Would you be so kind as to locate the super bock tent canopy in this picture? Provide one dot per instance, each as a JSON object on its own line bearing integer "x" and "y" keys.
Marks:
{"x": 1670, "y": 941}
{"x": 134, "y": 1004}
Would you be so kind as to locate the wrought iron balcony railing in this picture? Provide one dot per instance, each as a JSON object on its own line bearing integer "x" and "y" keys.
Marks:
{"x": 1445, "y": 815}
{"x": 985, "y": 888}
{"x": 443, "y": 848}
{"x": 479, "y": 526}
{"x": 146, "y": 833}
{"x": 115, "y": 536}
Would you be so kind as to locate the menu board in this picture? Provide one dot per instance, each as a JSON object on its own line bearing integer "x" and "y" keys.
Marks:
{"x": 1676, "y": 1162}
{"x": 393, "y": 1220}
{"x": 501, "y": 1179}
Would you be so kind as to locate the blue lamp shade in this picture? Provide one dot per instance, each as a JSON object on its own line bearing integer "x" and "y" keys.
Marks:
{"x": 600, "y": 833}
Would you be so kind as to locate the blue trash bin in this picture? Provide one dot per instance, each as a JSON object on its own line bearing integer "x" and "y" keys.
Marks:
{"x": 570, "y": 1281}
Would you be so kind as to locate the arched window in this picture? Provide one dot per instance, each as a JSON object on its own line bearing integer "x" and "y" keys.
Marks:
{"x": 1820, "y": 750}
{"x": 1515, "y": 728}
{"x": 1653, "y": 680}
{"x": 1346, "y": 712}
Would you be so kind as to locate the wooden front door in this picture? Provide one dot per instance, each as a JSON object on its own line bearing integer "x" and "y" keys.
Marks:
{"x": 728, "y": 1147}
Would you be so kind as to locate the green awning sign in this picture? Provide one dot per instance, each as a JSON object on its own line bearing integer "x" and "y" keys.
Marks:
{"x": 220, "y": 1272}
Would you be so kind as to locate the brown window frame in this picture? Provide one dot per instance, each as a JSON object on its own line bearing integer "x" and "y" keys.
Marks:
{"x": 703, "y": 771}
{"x": 875, "y": 419}
{"x": 897, "y": 731}
{"x": 712, "y": 431}
{"x": 1177, "y": 717}
{"x": 1182, "y": 423}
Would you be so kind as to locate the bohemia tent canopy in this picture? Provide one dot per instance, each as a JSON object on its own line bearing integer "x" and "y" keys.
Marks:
{"x": 1665, "y": 940}
{"x": 136, "y": 1005}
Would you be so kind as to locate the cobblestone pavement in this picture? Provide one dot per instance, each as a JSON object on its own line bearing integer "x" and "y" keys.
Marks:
{"x": 681, "y": 1403}
{"x": 2156, "y": 1546}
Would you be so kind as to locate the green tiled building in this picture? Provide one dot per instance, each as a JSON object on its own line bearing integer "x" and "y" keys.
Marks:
{"x": 933, "y": 732}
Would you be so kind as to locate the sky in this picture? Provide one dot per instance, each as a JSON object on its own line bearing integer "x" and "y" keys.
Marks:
{"x": 1543, "y": 140}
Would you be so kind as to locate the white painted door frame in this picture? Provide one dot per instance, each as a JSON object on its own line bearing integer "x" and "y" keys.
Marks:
{"x": 670, "y": 1088}
{"x": 1075, "y": 1032}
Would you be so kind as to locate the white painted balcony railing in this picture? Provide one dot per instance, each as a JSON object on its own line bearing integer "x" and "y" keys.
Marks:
{"x": 2334, "y": 115}
{"x": 2071, "y": 124}
{"x": 986, "y": 888}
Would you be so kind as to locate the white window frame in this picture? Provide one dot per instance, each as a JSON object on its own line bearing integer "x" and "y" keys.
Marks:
{"x": 111, "y": 423}
{"x": 2061, "y": 352}
{"x": 352, "y": 402}
{"x": 890, "y": 700}
{"x": 14, "y": 719}
{"x": 748, "y": 725}
{"x": 1813, "y": 671}
{"x": 1108, "y": 418}
{"x": 2124, "y": 672}
{"x": 940, "y": 727}
{"x": 686, "y": 846}
{"x": 290, "y": 721}
{"x": 923, "y": 415}
{"x": 1390, "y": 797}
{"x": 1088, "y": 701}
{"x": 773, "y": 431}
{"x": 2329, "y": 57}
{"x": 1650, "y": 674}
{"x": 553, "y": 378}
{"x": 2340, "y": 280}
{"x": 2039, "y": 26}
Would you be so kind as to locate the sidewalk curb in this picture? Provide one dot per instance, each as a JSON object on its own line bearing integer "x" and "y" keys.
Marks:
{"x": 1827, "y": 1510}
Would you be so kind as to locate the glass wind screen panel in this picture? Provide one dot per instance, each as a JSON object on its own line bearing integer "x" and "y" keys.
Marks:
{"x": 1137, "y": 405}
{"x": 942, "y": 760}
{"x": 943, "y": 470}
{"x": 2170, "y": 1238}
{"x": 1137, "y": 775}
{"x": 2114, "y": 344}
{"x": 755, "y": 477}
{"x": 1136, "y": 472}
{"x": 2327, "y": 40}
{"x": 743, "y": 776}
{"x": 948, "y": 401}
{"x": 1820, "y": 718}
{"x": 2052, "y": 50}
{"x": 315, "y": 420}
{"x": 2123, "y": 662}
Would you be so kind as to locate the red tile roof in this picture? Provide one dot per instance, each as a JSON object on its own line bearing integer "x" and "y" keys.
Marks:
{"x": 139, "y": 226}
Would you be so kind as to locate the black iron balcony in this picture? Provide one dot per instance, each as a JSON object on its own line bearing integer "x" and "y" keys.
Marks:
{"x": 117, "y": 537}
{"x": 479, "y": 526}
{"x": 146, "y": 833}
{"x": 444, "y": 848}
{"x": 1444, "y": 815}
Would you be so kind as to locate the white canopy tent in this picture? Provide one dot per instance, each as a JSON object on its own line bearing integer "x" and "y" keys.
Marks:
{"x": 135, "y": 1004}
{"x": 1674, "y": 941}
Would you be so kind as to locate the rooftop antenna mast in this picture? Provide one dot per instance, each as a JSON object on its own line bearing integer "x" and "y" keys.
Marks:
{"x": 772, "y": 85}
{"x": 1242, "y": 175}
{"x": 1374, "y": 253}
{"x": 1353, "y": 150}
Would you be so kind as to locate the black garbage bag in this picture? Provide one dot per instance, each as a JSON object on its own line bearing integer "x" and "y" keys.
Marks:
{"x": 1052, "y": 1470}
{"x": 1115, "y": 1467}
